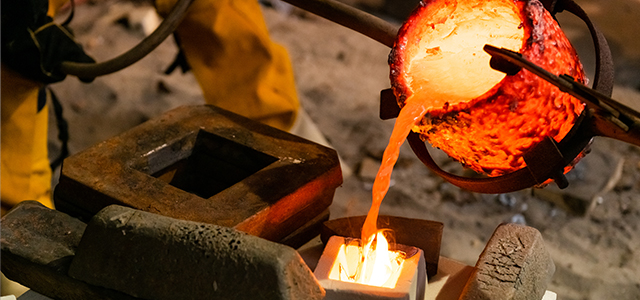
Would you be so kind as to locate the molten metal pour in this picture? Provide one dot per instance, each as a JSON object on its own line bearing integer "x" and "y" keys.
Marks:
{"x": 605, "y": 116}
{"x": 610, "y": 119}
{"x": 548, "y": 159}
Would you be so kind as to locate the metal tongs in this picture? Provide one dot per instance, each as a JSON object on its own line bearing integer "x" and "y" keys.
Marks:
{"x": 548, "y": 159}
{"x": 608, "y": 117}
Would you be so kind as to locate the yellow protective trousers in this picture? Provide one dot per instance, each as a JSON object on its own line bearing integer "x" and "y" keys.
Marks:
{"x": 238, "y": 67}
{"x": 25, "y": 173}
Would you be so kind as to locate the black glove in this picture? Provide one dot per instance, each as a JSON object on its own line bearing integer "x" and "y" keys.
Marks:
{"x": 33, "y": 45}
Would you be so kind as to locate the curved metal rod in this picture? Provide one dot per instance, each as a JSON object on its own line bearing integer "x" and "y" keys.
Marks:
{"x": 350, "y": 17}
{"x": 604, "y": 74}
{"x": 167, "y": 27}
{"x": 514, "y": 181}
{"x": 570, "y": 147}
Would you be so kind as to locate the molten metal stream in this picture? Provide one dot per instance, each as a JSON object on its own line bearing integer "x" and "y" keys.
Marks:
{"x": 451, "y": 96}
{"x": 445, "y": 67}
{"x": 409, "y": 116}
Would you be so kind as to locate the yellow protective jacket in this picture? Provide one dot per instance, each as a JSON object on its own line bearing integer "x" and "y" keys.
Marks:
{"x": 238, "y": 67}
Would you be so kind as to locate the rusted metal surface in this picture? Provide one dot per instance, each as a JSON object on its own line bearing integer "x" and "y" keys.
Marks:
{"x": 156, "y": 257}
{"x": 301, "y": 235}
{"x": 38, "y": 245}
{"x": 205, "y": 164}
{"x": 423, "y": 234}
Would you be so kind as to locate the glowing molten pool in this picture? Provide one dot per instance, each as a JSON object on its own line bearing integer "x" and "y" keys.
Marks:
{"x": 343, "y": 274}
{"x": 371, "y": 264}
{"x": 479, "y": 116}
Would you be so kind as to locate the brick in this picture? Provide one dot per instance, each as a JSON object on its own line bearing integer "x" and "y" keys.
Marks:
{"x": 38, "y": 245}
{"x": 514, "y": 265}
{"x": 157, "y": 257}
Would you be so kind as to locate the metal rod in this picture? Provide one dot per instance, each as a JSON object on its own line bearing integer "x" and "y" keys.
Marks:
{"x": 612, "y": 119}
{"x": 350, "y": 17}
{"x": 167, "y": 27}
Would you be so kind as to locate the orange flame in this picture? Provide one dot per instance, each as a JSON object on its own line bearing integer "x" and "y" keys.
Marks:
{"x": 372, "y": 264}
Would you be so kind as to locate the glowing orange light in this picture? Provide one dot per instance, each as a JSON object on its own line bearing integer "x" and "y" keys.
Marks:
{"x": 372, "y": 264}
{"x": 478, "y": 116}
{"x": 451, "y": 96}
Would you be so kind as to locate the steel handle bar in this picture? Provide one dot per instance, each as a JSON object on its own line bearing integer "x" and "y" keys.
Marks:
{"x": 167, "y": 27}
{"x": 613, "y": 112}
{"x": 350, "y": 17}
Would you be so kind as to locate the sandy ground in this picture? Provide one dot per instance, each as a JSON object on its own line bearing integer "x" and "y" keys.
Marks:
{"x": 339, "y": 75}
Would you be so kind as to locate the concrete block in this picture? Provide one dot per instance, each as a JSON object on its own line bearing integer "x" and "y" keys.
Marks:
{"x": 514, "y": 265}
{"x": 157, "y": 257}
{"x": 38, "y": 245}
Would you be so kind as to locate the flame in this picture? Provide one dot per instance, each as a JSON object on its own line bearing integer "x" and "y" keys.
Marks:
{"x": 372, "y": 264}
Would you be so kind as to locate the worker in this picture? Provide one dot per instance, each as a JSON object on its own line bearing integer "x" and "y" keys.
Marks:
{"x": 226, "y": 45}
{"x": 238, "y": 67}
{"x": 32, "y": 46}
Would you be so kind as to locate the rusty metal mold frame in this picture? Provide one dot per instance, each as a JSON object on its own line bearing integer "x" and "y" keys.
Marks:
{"x": 295, "y": 186}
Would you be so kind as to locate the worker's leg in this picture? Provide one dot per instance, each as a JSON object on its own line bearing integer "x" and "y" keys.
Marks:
{"x": 238, "y": 67}
{"x": 25, "y": 172}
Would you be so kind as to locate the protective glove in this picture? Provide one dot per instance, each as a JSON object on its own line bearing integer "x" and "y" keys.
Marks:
{"x": 33, "y": 45}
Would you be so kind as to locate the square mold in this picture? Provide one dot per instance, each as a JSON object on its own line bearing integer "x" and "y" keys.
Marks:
{"x": 205, "y": 164}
